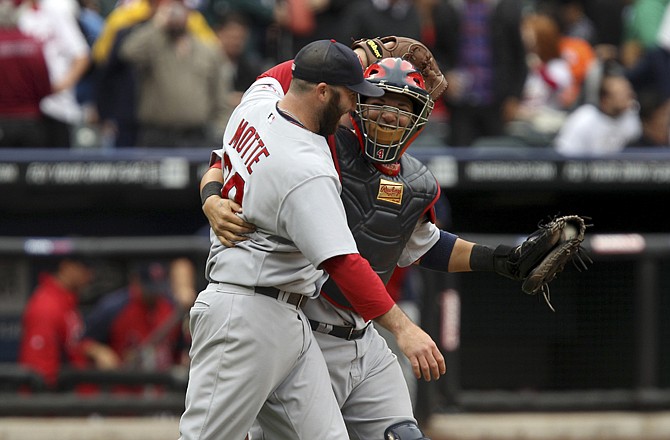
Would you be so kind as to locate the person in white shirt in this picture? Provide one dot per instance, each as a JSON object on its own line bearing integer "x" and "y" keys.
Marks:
{"x": 595, "y": 130}
{"x": 67, "y": 56}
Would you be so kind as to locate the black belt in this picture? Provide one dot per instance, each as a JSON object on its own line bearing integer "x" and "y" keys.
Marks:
{"x": 347, "y": 333}
{"x": 296, "y": 299}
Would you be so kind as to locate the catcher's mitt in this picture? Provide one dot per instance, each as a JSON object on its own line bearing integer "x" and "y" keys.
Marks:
{"x": 544, "y": 254}
{"x": 408, "y": 49}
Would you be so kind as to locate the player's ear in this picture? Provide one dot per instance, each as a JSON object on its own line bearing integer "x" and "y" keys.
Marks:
{"x": 322, "y": 91}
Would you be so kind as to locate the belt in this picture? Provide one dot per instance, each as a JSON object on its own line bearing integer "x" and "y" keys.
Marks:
{"x": 296, "y": 299}
{"x": 348, "y": 333}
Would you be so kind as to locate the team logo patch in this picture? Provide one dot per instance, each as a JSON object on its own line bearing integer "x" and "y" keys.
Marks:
{"x": 390, "y": 191}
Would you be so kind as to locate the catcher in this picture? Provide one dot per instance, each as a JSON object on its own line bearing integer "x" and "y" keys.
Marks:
{"x": 389, "y": 196}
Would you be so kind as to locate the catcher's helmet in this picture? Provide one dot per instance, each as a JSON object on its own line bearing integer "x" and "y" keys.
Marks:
{"x": 385, "y": 141}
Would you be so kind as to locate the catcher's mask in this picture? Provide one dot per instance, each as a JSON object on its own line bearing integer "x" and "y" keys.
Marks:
{"x": 386, "y": 139}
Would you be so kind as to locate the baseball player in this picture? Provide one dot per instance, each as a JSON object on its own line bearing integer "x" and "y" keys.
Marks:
{"x": 389, "y": 198}
{"x": 253, "y": 352}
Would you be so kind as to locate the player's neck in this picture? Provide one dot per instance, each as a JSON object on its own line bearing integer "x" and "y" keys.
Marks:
{"x": 297, "y": 113}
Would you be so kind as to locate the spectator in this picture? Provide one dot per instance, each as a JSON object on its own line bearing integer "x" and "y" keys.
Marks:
{"x": 592, "y": 130}
{"x": 24, "y": 81}
{"x": 641, "y": 28}
{"x": 142, "y": 322}
{"x": 91, "y": 23}
{"x": 575, "y": 47}
{"x": 372, "y": 18}
{"x": 54, "y": 24}
{"x": 542, "y": 110}
{"x": 478, "y": 45}
{"x": 608, "y": 19}
{"x": 139, "y": 11}
{"x": 575, "y": 22}
{"x": 183, "y": 82}
{"x": 116, "y": 91}
{"x": 52, "y": 325}
{"x": 328, "y": 17}
{"x": 234, "y": 33}
{"x": 652, "y": 70}
{"x": 261, "y": 15}
{"x": 655, "y": 117}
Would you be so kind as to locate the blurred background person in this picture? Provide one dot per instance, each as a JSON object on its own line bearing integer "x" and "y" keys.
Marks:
{"x": 655, "y": 118}
{"x": 54, "y": 24}
{"x": 234, "y": 33}
{"x": 142, "y": 321}
{"x": 575, "y": 22}
{"x": 374, "y": 18}
{"x": 641, "y": 24}
{"x": 52, "y": 328}
{"x": 183, "y": 82}
{"x": 24, "y": 82}
{"x": 116, "y": 79}
{"x": 542, "y": 108}
{"x": 606, "y": 127}
{"x": 327, "y": 18}
{"x": 478, "y": 46}
{"x": 652, "y": 69}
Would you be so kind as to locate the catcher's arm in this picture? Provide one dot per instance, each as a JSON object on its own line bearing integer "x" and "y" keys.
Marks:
{"x": 535, "y": 262}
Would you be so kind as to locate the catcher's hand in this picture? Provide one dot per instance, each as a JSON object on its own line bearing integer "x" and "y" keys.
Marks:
{"x": 373, "y": 49}
{"x": 543, "y": 255}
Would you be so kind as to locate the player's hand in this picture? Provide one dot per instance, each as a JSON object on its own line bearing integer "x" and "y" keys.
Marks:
{"x": 416, "y": 344}
{"x": 422, "y": 352}
{"x": 224, "y": 220}
{"x": 103, "y": 357}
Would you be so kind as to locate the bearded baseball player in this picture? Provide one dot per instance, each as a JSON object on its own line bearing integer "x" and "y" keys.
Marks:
{"x": 253, "y": 352}
{"x": 389, "y": 198}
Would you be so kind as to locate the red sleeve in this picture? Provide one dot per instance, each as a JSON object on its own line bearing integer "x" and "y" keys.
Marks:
{"x": 359, "y": 284}
{"x": 281, "y": 72}
{"x": 41, "y": 344}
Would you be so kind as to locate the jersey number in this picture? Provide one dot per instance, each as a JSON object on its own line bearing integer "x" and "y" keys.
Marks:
{"x": 235, "y": 181}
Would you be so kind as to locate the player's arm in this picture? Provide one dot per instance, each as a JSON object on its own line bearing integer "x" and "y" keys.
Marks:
{"x": 453, "y": 254}
{"x": 222, "y": 214}
{"x": 369, "y": 297}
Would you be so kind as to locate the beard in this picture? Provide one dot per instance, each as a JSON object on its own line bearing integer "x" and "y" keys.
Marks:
{"x": 329, "y": 119}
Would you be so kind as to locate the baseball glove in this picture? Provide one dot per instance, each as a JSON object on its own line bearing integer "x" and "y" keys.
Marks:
{"x": 543, "y": 255}
{"x": 408, "y": 49}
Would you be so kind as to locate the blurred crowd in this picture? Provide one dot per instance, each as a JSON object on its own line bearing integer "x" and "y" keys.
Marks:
{"x": 581, "y": 76}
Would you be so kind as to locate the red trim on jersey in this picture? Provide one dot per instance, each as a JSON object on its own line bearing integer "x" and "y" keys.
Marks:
{"x": 359, "y": 284}
{"x": 333, "y": 154}
{"x": 431, "y": 208}
{"x": 282, "y": 72}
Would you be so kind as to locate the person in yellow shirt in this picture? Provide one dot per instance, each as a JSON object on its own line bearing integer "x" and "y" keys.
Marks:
{"x": 138, "y": 11}
{"x": 116, "y": 90}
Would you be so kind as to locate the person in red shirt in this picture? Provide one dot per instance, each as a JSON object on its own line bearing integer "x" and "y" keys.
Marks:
{"x": 141, "y": 322}
{"x": 24, "y": 81}
{"x": 52, "y": 325}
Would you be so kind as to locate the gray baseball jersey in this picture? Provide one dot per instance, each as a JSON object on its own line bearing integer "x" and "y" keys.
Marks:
{"x": 253, "y": 355}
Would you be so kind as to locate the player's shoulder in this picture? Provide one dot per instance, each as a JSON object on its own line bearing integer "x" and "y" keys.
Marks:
{"x": 265, "y": 87}
{"x": 409, "y": 163}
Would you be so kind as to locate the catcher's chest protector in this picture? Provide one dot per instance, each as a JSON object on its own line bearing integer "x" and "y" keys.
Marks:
{"x": 382, "y": 210}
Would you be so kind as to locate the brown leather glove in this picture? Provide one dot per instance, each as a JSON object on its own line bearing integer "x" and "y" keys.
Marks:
{"x": 408, "y": 49}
